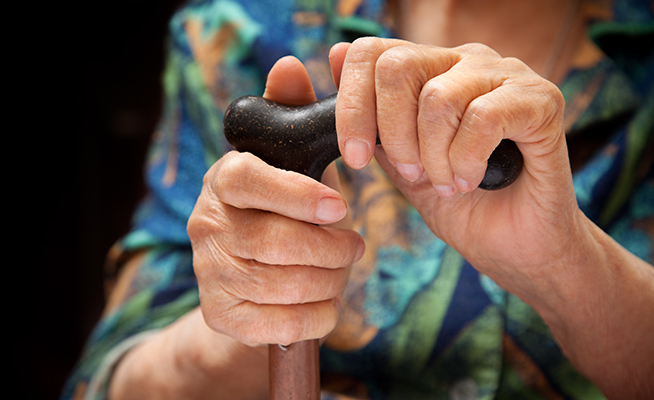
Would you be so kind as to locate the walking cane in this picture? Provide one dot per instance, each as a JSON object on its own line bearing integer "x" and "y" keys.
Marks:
{"x": 303, "y": 139}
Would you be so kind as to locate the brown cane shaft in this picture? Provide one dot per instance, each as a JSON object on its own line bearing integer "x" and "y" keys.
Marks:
{"x": 295, "y": 371}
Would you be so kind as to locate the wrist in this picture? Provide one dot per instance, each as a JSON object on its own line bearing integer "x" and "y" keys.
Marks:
{"x": 188, "y": 360}
{"x": 569, "y": 281}
{"x": 596, "y": 303}
{"x": 138, "y": 374}
{"x": 217, "y": 366}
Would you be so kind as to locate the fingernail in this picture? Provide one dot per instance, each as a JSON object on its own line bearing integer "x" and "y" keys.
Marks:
{"x": 410, "y": 172}
{"x": 356, "y": 153}
{"x": 463, "y": 185}
{"x": 444, "y": 190}
{"x": 331, "y": 210}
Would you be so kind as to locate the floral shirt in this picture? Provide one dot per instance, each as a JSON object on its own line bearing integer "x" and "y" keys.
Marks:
{"x": 418, "y": 321}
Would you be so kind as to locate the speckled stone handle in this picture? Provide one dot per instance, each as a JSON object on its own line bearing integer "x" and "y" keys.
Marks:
{"x": 303, "y": 139}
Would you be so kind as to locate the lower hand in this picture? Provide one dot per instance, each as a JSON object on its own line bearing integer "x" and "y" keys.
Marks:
{"x": 266, "y": 272}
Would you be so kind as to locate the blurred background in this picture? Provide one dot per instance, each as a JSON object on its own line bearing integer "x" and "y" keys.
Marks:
{"x": 112, "y": 63}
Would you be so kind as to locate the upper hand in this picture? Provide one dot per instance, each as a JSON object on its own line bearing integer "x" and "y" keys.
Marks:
{"x": 439, "y": 114}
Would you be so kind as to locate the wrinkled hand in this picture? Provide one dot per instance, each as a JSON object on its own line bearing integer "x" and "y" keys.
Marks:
{"x": 440, "y": 113}
{"x": 266, "y": 272}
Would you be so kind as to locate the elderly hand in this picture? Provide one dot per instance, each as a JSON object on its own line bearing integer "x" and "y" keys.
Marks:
{"x": 440, "y": 113}
{"x": 266, "y": 272}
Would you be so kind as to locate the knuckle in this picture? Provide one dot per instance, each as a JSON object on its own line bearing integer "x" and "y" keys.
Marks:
{"x": 362, "y": 49}
{"x": 194, "y": 225}
{"x": 364, "y": 53}
{"x": 392, "y": 71}
{"x": 392, "y": 60}
{"x": 231, "y": 176}
{"x": 479, "y": 49}
{"x": 549, "y": 103}
{"x": 555, "y": 95}
{"x": 485, "y": 116}
{"x": 233, "y": 167}
{"x": 438, "y": 111}
{"x": 402, "y": 67}
{"x": 436, "y": 99}
{"x": 200, "y": 227}
{"x": 514, "y": 64}
{"x": 208, "y": 227}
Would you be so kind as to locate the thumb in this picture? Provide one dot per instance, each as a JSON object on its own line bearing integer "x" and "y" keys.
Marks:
{"x": 289, "y": 83}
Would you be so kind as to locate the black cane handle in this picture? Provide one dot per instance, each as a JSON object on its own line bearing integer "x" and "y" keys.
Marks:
{"x": 303, "y": 138}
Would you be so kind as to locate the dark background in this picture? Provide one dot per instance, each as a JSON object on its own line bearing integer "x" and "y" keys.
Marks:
{"x": 112, "y": 63}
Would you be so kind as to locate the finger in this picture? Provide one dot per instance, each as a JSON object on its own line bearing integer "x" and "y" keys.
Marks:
{"x": 275, "y": 240}
{"x": 282, "y": 284}
{"x": 400, "y": 75}
{"x": 528, "y": 112}
{"x": 245, "y": 181}
{"x": 356, "y": 122}
{"x": 256, "y": 324}
{"x": 336, "y": 59}
{"x": 443, "y": 102}
{"x": 289, "y": 83}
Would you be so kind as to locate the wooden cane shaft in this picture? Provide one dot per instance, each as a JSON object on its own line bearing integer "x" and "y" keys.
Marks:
{"x": 295, "y": 371}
